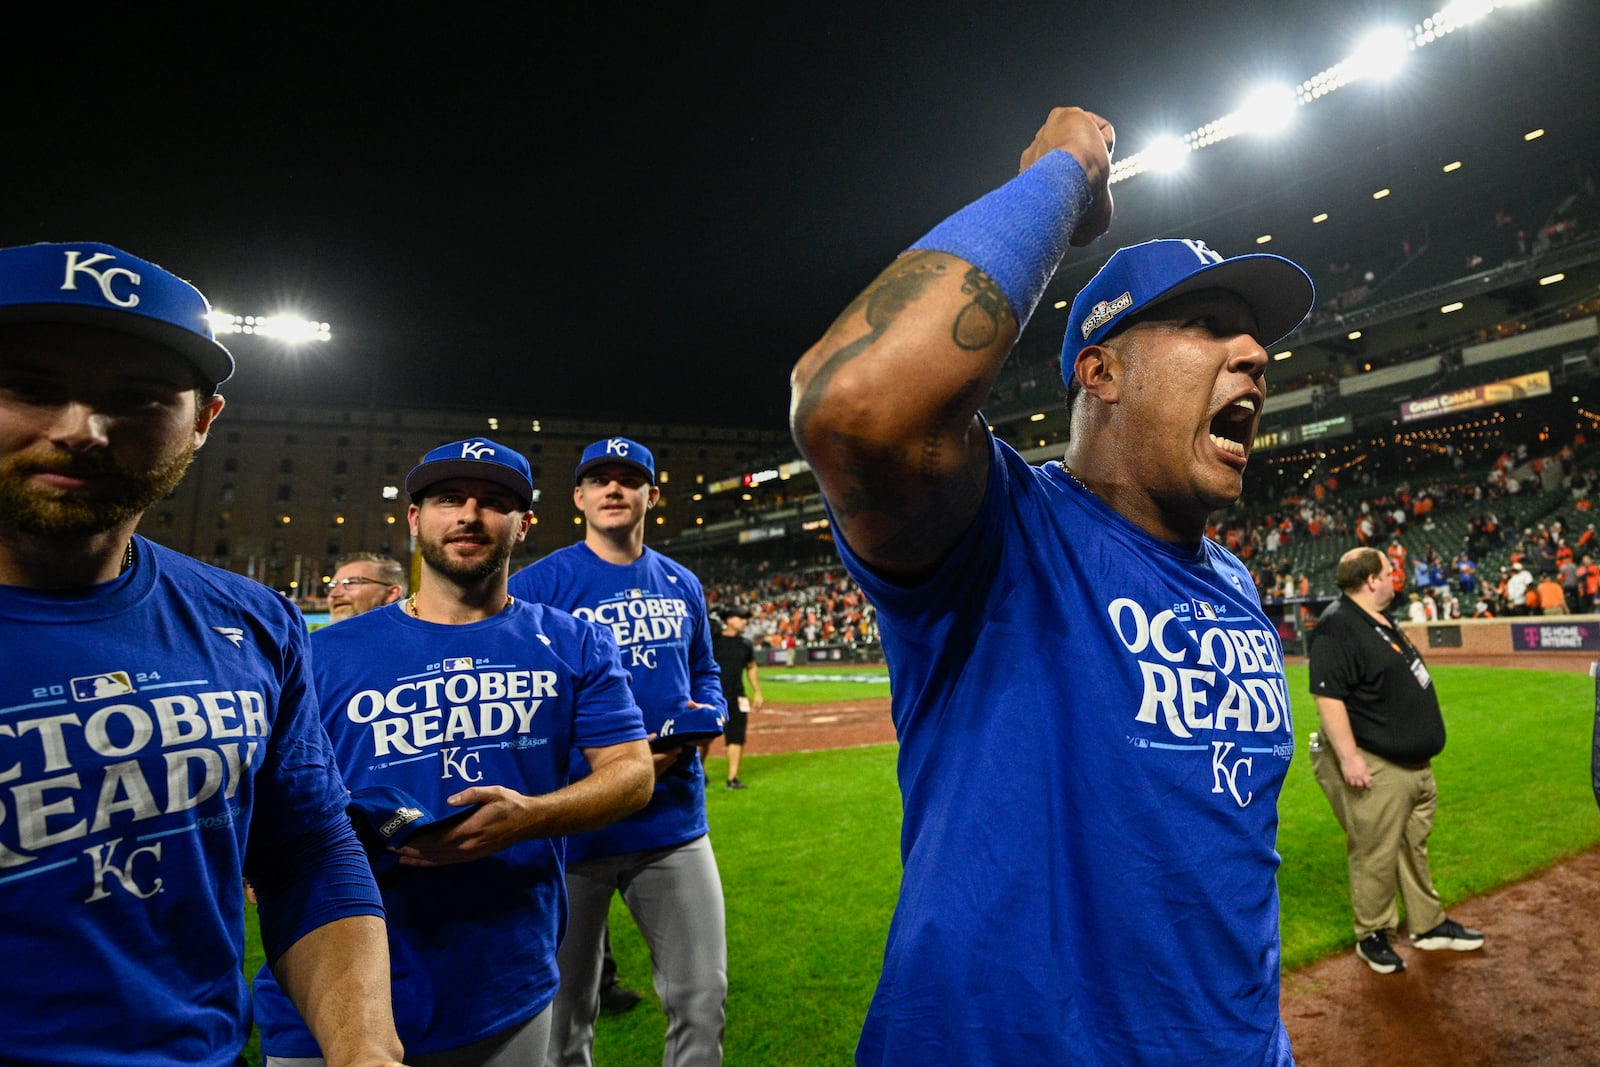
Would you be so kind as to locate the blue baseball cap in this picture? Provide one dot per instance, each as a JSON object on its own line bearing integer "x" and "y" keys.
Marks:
{"x": 616, "y": 450}
{"x": 385, "y": 817}
{"x": 688, "y": 726}
{"x": 1279, "y": 292}
{"x": 89, "y": 284}
{"x": 476, "y": 457}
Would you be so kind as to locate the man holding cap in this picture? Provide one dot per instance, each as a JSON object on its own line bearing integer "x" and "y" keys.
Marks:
{"x": 160, "y": 739}
{"x": 660, "y": 858}
{"x": 1063, "y": 641}
{"x": 458, "y": 697}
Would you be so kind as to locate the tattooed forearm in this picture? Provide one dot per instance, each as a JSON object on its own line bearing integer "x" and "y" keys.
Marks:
{"x": 903, "y": 486}
{"x": 978, "y": 324}
{"x": 896, "y": 289}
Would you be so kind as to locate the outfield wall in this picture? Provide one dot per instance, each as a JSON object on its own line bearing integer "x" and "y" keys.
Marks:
{"x": 1540, "y": 640}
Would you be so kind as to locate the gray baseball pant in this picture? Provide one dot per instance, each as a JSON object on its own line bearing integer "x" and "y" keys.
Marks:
{"x": 520, "y": 1046}
{"x": 675, "y": 896}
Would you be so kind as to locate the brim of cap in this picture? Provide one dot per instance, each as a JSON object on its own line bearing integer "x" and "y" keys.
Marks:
{"x": 601, "y": 461}
{"x": 428, "y": 825}
{"x": 1278, "y": 291}
{"x": 440, "y": 470}
{"x": 213, "y": 362}
{"x": 682, "y": 738}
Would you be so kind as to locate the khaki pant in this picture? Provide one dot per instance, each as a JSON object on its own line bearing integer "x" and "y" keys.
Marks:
{"x": 1386, "y": 833}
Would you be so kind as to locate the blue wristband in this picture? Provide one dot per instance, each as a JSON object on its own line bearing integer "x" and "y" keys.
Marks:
{"x": 1018, "y": 233}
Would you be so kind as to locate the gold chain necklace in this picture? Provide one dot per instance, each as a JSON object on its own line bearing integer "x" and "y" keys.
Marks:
{"x": 1075, "y": 478}
{"x": 411, "y": 604}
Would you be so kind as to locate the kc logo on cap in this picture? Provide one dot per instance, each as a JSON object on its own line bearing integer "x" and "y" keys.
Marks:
{"x": 102, "y": 278}
{"x": 616, "y": 450}
{"x": 476, "y": 457}
{"x": 90, "y": 284}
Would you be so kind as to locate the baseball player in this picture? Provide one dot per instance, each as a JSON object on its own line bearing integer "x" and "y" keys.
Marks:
{"x": 159, "y": 739}
{"x": 659, "y": 858}
{"x": 461, "y": 698}
{"x": 1064, "y": 643}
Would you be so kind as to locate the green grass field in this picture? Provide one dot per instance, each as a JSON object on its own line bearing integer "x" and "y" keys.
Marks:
{"x": 824, "y": 685}
{"x": 809, "y": 856}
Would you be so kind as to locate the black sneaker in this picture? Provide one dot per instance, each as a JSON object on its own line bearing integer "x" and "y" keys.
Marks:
{"x": 1449, "y": 934}
{"x": 734, "y": 783}
{"x": 614, "y": 1000}
{"x": 1375, "y": 950}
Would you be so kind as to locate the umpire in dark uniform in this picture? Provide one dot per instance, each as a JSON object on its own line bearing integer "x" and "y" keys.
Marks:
{"x": 1381, "y": 728}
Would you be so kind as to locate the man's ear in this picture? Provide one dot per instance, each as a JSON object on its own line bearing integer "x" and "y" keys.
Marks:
{"x": 206, "y": 411}
{"x": 1096, "y": 369}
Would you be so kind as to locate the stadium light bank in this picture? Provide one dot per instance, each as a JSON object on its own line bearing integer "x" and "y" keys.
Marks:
{"x": 1271, "y": 108}
{"x": 288, "y": 329}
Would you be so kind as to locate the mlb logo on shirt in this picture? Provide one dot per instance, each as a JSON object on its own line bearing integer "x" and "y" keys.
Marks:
{"x": 100, "y": 686}
{"x": 1202, "y": 610}
{"x": 457, "y": 663}
{"x": 634, "y": 594}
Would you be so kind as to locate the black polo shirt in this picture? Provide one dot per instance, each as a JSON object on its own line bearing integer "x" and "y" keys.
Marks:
{"x": 1380, "y": 676}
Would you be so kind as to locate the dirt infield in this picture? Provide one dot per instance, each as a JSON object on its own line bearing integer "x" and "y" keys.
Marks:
{"x": 1529, "y": 998}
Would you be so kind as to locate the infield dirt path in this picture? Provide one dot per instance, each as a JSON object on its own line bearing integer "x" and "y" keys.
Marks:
{"x": 1529, "y": 998}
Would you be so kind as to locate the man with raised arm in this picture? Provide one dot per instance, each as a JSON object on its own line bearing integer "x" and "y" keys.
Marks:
{"x": 1090, "y": 704}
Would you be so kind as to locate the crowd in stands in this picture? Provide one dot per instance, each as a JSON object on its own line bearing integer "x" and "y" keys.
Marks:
{"x": 1457, "y": 542}
{"x": 1504, "y": 535}
{"x": 815, "y": 604}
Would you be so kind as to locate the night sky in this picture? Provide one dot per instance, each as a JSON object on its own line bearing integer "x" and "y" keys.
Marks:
{"x": 598, "y": 213}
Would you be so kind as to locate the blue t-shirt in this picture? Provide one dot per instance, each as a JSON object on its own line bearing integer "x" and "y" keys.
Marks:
{"x": 1094, "y": 728}
{"x": 656, "y": 612}
{"x": 159, "y": 741}
{"x": 432, "y": 709}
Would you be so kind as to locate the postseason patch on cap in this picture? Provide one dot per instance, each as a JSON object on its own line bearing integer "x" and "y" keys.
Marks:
{"x": 385, "y": 817}
{"x": 1104, "y": 312}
